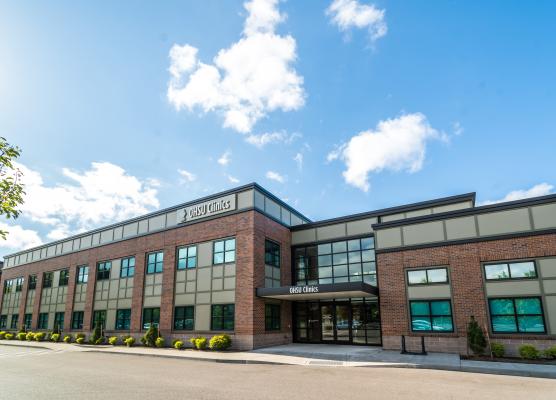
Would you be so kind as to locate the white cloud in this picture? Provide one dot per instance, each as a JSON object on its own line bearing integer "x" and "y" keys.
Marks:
{"x": 348, "y": 14}
{"x": 275, "y": 176}
{"x": 103, "y": 194}
{"x": 397, "y": 144}
{"x": 187, "y": 177}
{"x": 225, "y": 158}
{"x": 271, "y": 137}
{"x": 457, "y": 128}
{"x": 542, "y": 189}
{"x": 299, "y": 161}
{"x": 232, "y": 179}
{"x": 249, "y": 79}
{"x": 18, "y": 237}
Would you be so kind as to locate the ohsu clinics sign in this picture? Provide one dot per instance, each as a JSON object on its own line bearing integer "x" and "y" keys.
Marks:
{"x": 207, "y": 209}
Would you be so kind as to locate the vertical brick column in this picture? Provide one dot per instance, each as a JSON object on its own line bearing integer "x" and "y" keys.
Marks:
{"x": 37, "y": 304}
{"x": 90, "y": 296}
{"x": 2, "y": 280}
{"x": 70, "y": 296}
{"x": 167, "y": 297}
{"x": 137, "y": 297}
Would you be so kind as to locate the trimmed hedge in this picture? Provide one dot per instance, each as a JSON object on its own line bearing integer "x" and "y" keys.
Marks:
{"x": 178, "y": 344}
{"x": 67, "y": 339}
{"x": 39, "y": 336}
{"x": 130, "y": 341}
{"x": 159, "y": 342}
{"x": 529, "y": 352}
{"x": 220, "y": 342}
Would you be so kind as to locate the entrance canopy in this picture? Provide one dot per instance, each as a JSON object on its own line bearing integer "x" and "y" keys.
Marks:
{"x": 315, "y": 292}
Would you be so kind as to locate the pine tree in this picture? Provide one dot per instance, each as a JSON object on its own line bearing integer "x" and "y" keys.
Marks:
{"x": 475, "y": 337}
{"x": 97, "y": 333}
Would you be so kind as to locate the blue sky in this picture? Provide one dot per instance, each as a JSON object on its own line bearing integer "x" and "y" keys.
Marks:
{"x": 364, "y": 104}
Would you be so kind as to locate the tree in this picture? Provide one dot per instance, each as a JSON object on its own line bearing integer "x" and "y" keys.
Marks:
{"x": 11, "y": 189}
{"x": 475, "y": 337}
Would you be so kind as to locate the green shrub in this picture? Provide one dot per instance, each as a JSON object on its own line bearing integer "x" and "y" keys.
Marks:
{"x": 80, "y": 340}
{"x": 79, "y": 335}
{"x": 475, "y": 337}
{"x": 97, "y": 333}
{"x": 159, "y": 342}
{"x": 21, "y": 336}
{"x": 99, "y": 340}
{"x": 498, "y": 349}
{"x": 67, "y": 339}
{"x": 550, "y": 352}
{"x": 124, "y": 337}
{"x": 174, "y": 341}
{"x": 220, "y": 342}
{"x": 192, "y": 341}
{"x": 149, "y": 339}
{"x": 528, "y": 352}
{"x": 201, "y": 343}
{"x": 39, "y": 336}
{"x": 55, "y": 337}
{"x": 30, "y": 336}
{"x": 2, "y": 334}
{"x": 113, "y": 340}
{"x": 9, "y": 336}
{"x": 178, "y": 344}
{"x": 130, "y": 341}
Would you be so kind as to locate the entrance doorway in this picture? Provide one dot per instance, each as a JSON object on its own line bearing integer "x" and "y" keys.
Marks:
{"x": 351, "y": 321}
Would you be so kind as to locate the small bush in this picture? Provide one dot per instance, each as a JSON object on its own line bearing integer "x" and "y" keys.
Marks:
{"x": 528, "y": 352}
{"x": 99, "y": 340}
{"x": 150, "y": 337}
{"x": 67, "y": 339}
{"x": 30, "y": 336}
{"x": 113, "y": 340}
{"x": 475, "y": 337}
{"x": 550, "y": 352}
{"x": 39, "y": 336}
{"x": 201, "y": 343}
{"x": 2, "y": 334}
{"x": 192, "y": 341}
{"x": 80, "y": 340}
{"x": 498, "y": 349}
{"x": 123, "y": 338}
{"x": 143, "y": 340}
{"x": 159, "y": 342}
{"x": 9, "y": 336}
{"x": 97, "y": 333}
{"x": 174, "y": 341}
{"x": 55, "y": 337}
{"x": 21, "y": 336}
{"x": 178, "y": 344}
{"x": 130, "y": 341}
{"x": 220, "y": 342}
{"x": 79, "y": 335}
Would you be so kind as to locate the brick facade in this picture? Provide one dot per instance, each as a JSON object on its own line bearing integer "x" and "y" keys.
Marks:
{"x": 249, "y": 228}
{"x": 468, "y": 295}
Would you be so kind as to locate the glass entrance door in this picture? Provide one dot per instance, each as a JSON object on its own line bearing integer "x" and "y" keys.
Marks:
{"x": 335, "y": 322}
{"x": 327, "y": 322}
{"x": 343, "y": 331}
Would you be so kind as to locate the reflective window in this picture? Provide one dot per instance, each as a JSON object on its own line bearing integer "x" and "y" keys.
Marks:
{"x": 64, "y": 277}
{"x": 271, "y": 253}
{"x": 516, "y": 315}
{"x": 103, "y": 270}
{"x": 514, "y": 270}
{"x": 224, "y": 251}
{"x": 427, "y": 276}
{"x": 123, "y": 320}
{"x": 43, "y": 321}
{"x": 77, "y": 320}
{"x": 431, "y": 316}
{"x": 47, "y": 279}
{"x": 151, "y": 316}
{"x": 155, "y": 262}
{"x": 343, "y": 261}
{"x": 27, "y": 320}
{"x": 32, "y": 282}
{"x": 99, "y": 317}
{"x": 3, "y": 321}
{"x": 187, "y": 257}
{"x": 127, "y": 268}
{"x": 272, "y": 317}
{"x": 19, "y": 284}
{"x": 59, "y": 320}
{"x": 15, "y": 320}
{"x": 184, "y": 318}
{"x": 222, "y": 317}
{"x": 82, "y": 274}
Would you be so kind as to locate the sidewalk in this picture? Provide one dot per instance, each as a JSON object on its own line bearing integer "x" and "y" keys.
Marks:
{"x": 315, "y": 355}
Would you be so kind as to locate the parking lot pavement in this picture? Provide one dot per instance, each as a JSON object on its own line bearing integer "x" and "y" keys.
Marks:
{"x": 35, "y": 374}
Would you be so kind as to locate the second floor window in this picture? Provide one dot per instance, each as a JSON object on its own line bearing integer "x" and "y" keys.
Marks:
{"x": 103, "y": 270}
{"x": 19, "y": 284}
{"x": 32, "y": 282}
{"x": 271, "y": 253}
{"x": 187, "y": 257}
{"x": 64, "y": 277}
{"x": 155, "y": 262}
{"x": 224, "y": 251}
{"x": 8, "y": 286}
{"x": 77, "y": 320}
{"x": 47, "y": 280}
{"x": 516, "y": 270}
{"x": 427, "y": 276}
{"x": 82, "y": 274}
{"x": 128, "y": 267}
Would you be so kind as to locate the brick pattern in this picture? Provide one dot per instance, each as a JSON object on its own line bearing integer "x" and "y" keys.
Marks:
{"x": 468, "y": 297}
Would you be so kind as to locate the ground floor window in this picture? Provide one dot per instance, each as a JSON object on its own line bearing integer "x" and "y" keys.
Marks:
{"x": 43, "y": 321}
{"x": 3, "y": 321}
{"x": 272, "y": 317}
{"x": 151, "y": 316}
{"x": 15, "y": 320}
{"x": 59, "y": 320}
{"x": 77, "y": 320}
{"x": 99, "y": 317}
{"x": 184, "y": 318}
{"x": 123, "y": 320}
{"x": 28, "y": 319}
{"x": 222, "y": 317}
{"x": 516, "y": 315}
{"x": 431, "y": 316}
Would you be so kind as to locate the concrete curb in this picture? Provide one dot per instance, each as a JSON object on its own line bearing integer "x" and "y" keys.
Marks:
{"x": 26, "y": 346}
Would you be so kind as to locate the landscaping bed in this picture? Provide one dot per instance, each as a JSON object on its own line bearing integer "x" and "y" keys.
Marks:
{"x": 540, "y": 361}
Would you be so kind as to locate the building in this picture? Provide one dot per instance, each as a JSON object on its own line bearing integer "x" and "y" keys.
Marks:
{"x": 246, "y": 263}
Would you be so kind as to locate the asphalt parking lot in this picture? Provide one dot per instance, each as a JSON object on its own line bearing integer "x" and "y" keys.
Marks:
{"x": 47, "y": 374}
